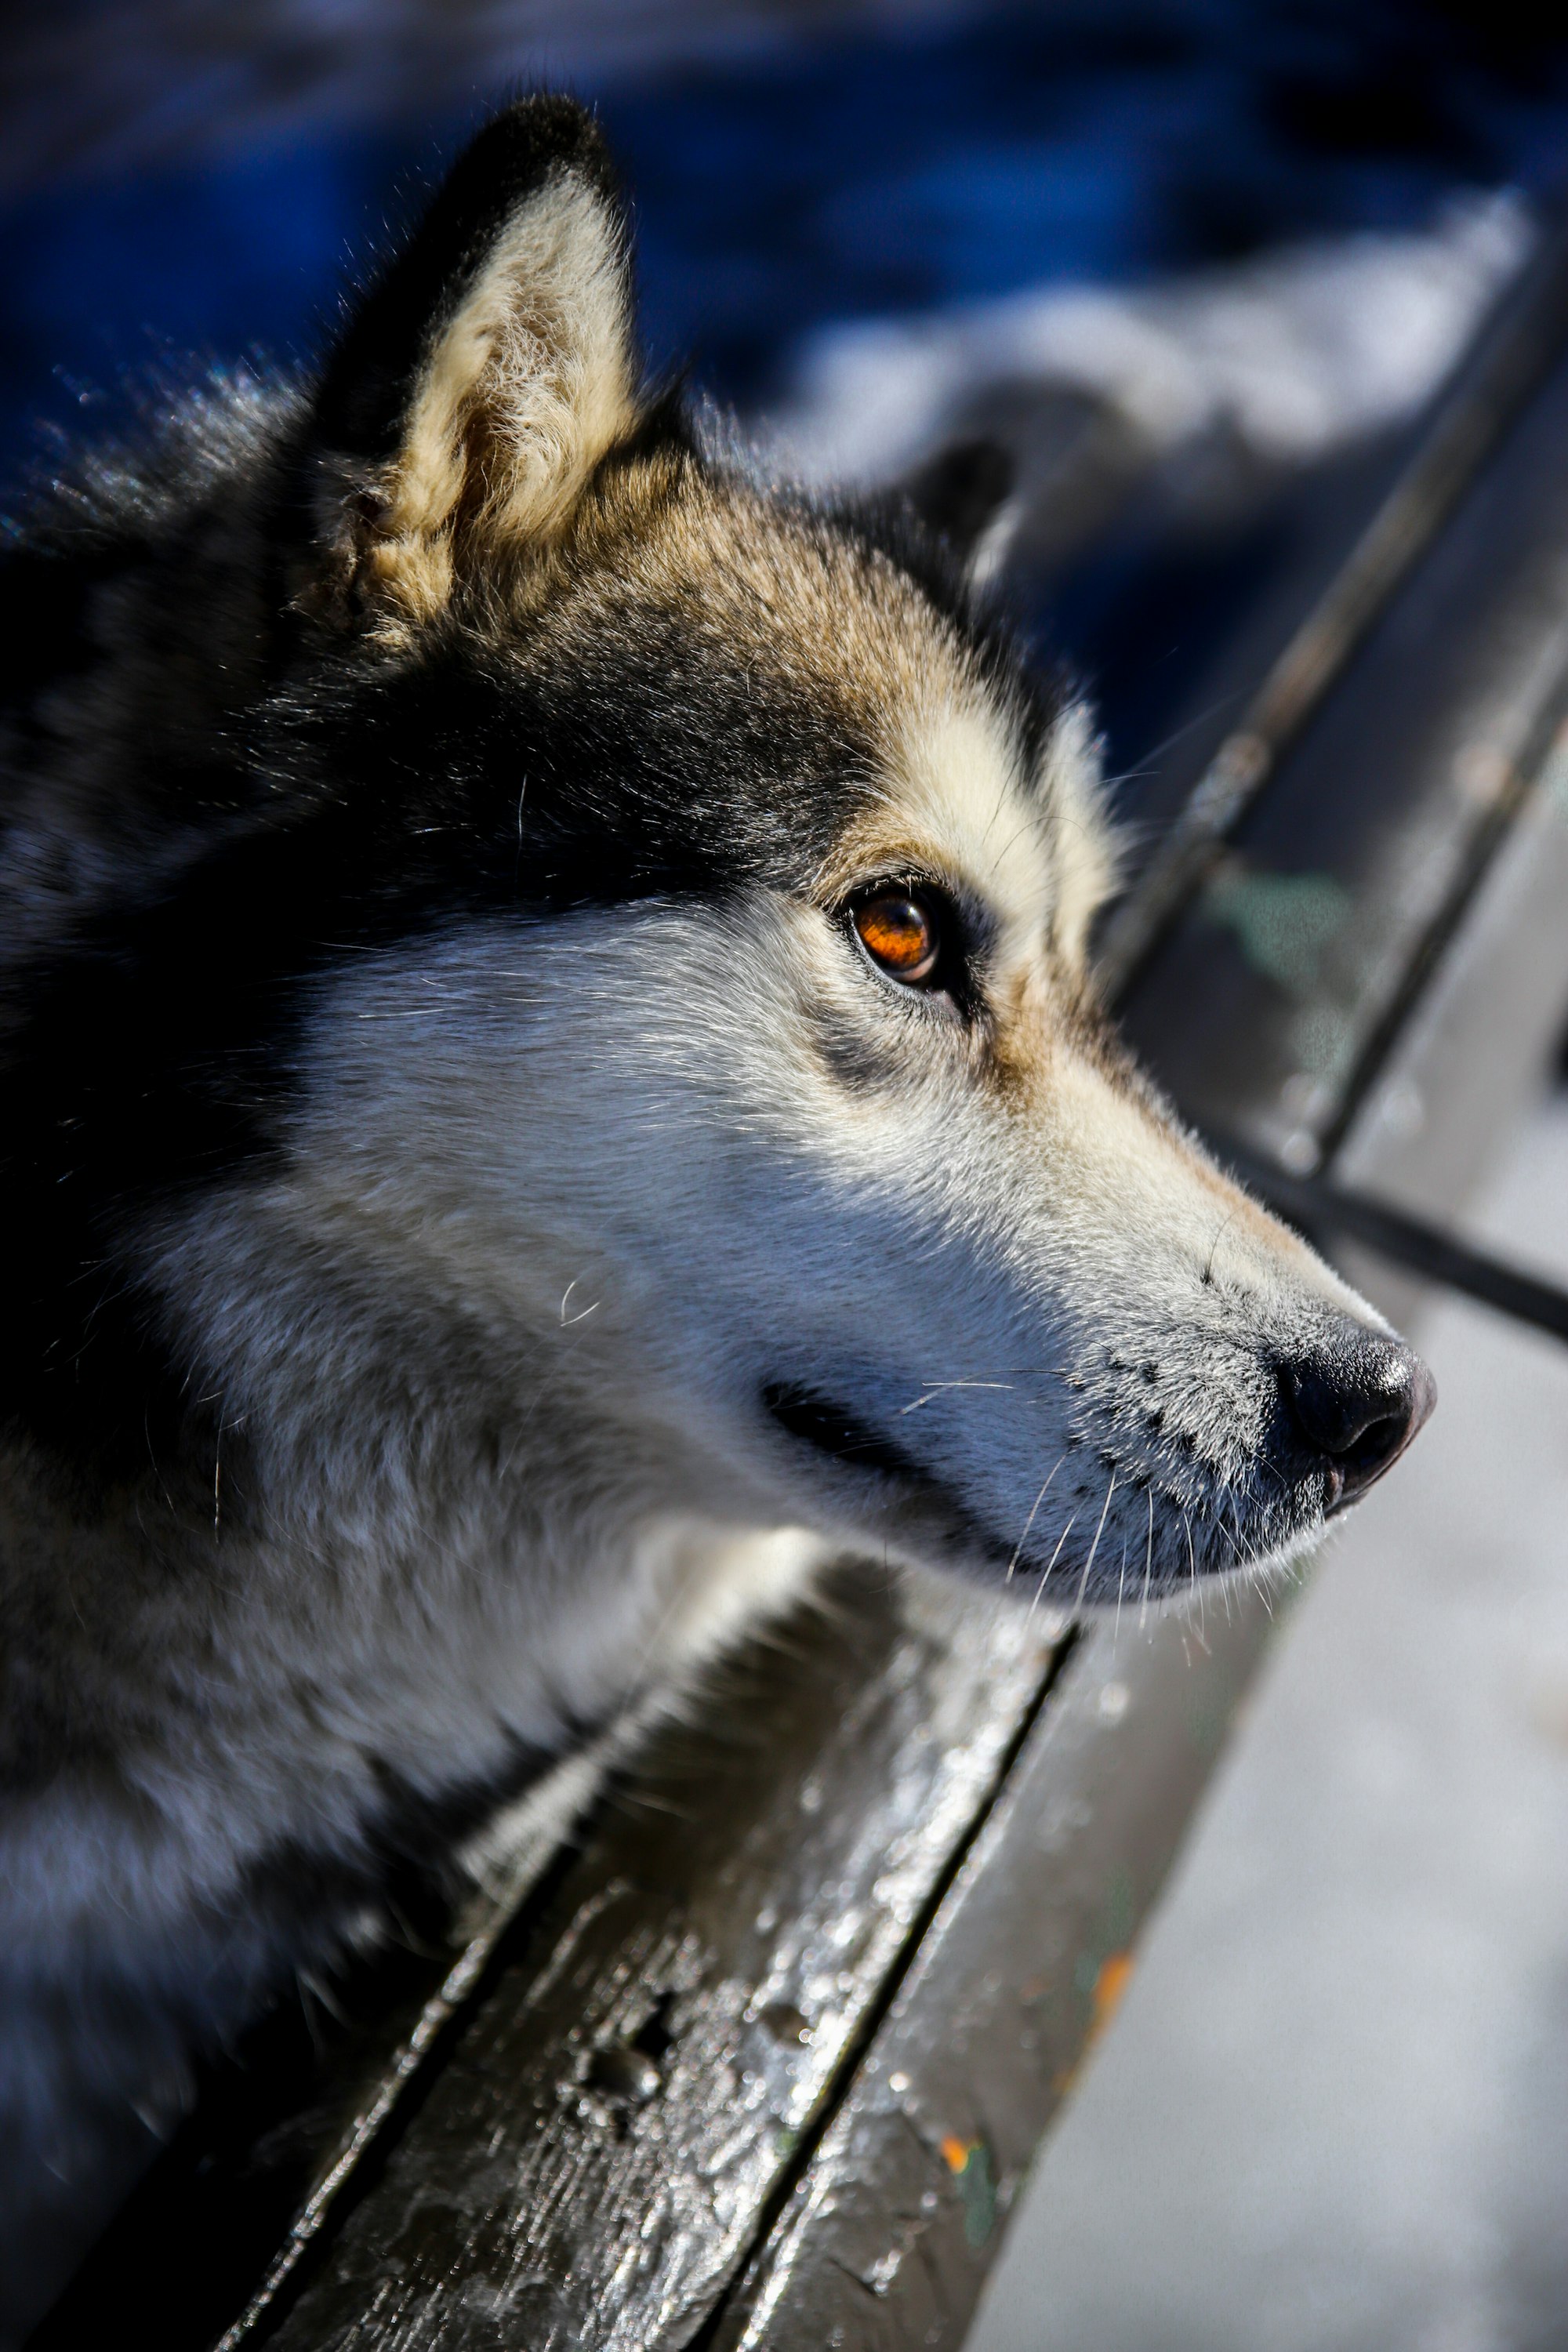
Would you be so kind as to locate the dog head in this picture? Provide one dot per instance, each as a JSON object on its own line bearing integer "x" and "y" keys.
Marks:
{"x": 759, "y": 1067}
{"x": 680, "y": 891}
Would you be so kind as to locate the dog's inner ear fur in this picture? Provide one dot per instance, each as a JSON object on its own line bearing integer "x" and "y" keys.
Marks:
{"x": 484, "y": 378}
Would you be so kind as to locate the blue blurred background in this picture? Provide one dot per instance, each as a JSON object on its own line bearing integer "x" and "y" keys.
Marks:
{"x": 163, "y": 193}
{"x": 186, "y": 184}
{"x": 193, "y": 184}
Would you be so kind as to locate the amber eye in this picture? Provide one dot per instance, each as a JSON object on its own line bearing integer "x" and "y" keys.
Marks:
{"x": 900, "y": 932}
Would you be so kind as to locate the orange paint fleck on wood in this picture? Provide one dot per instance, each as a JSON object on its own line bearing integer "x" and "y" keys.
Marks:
{"x": 1109, "y": 1987}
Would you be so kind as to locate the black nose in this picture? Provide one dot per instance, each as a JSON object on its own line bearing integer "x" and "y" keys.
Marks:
{"x": 1358, "y": 1402}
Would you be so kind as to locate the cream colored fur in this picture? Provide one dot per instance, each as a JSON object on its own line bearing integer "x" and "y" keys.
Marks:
{"x": 521, "y": 393}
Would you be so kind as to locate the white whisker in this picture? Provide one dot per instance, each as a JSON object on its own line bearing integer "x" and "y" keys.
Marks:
{"x": 1148, "y": 1561}
{"x": 1030, "y": 1522}
{"x": 1094, "y": 1546}
{"x": 1049, "y": 1565}
{"x": 936, "y": 1388}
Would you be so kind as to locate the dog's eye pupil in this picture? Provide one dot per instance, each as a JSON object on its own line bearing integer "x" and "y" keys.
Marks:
{"x": 900, "y": 932}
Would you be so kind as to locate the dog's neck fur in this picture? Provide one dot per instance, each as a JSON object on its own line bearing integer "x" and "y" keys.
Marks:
{"x": 434, "y": 1546}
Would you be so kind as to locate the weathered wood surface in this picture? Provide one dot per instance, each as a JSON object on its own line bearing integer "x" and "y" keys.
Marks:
{"x": 646, "y": 2079}
{"x": 891, "y": 2228}
{"x": 1309, "y": 932}
{"x": 593, "y": 2160}
{"x": 1448, "y": 456}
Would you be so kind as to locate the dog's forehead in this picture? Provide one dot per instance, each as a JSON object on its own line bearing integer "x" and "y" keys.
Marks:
{"x": 955, "y": 802}
{"x": 947, "y": 789}
{"x": 902, "y": 740}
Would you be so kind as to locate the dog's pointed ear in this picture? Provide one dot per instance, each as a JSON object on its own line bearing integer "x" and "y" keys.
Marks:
{"x": 482, "y": 378}
{"x": 961, "y": 491}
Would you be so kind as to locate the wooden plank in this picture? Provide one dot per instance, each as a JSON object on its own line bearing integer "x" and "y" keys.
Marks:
{"x": 888, "y": 2236}
{"x": 593, "y": 2162}
{"x": 1500, "y": 372}
{"x": 1309, "y": 935}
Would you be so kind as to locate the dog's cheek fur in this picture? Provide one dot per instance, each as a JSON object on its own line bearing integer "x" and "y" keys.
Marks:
{"x": 672, "y": 1157}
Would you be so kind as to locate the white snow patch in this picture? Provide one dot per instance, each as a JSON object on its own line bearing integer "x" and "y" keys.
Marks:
{"x": 1292, "y": 354}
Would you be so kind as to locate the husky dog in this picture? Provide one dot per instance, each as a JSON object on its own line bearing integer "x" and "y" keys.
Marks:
{"x": 545, "y": 1012}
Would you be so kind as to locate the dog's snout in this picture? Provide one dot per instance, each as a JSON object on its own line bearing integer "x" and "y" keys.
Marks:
{"x": 1357, "y": 1403}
